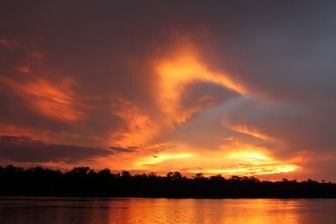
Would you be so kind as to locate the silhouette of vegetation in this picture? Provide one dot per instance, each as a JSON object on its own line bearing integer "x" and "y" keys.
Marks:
{"x": 82, "y": 181}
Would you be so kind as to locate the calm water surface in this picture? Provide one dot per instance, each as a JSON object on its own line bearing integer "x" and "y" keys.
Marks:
{"x": 166, "y": 211}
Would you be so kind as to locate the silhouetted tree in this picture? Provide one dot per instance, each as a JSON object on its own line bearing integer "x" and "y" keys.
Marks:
{"x": 125, "y": 174}
{"x": 82, "y": 181}
{"x": 174, "y": 176}
{"x": 199, "y": 176}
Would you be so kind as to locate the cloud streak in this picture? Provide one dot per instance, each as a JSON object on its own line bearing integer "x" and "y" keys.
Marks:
{"x": 56, "y": 101}
{"x": 24, "y": 149}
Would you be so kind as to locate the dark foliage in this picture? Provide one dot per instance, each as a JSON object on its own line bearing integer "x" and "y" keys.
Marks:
{"x": 82, "y": 181}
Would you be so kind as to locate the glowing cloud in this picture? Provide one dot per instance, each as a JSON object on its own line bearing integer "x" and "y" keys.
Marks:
{"x": 249, "y": 160}
{"x": 184, "y": 67}
{"x": 159, "y": 158}
{"x": 243, "y": 129}
{"x": 24, "y": 69}
{"x": 251, "y": 170}
{"x": 56, "y": 101}
{"x": 257, "y": 156}
{"x": 8, "y": 42}
{"x": 139, "y": 130}
{"x": 14, "y": 130}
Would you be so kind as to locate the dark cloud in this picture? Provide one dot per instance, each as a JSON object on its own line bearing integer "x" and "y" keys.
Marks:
{"x": 24, "y": 149}
{"x": 117, "y": 149}
{"x": 298, "y": 127}
{"x": 204, "y": 93}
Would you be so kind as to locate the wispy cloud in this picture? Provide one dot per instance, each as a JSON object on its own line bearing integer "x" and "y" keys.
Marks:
{"x": 54, "y": 100}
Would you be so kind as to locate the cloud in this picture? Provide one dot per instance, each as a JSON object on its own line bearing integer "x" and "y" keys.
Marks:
{"x": 117, "y": 149}
{"x": 181, "y": 68}
{"x": 5, "y": 42}
{"x": 24, "y": 149}
{"x": 56, "y": 101}
{"x": 139, "y": 128}
{"x": 203, "y": 78}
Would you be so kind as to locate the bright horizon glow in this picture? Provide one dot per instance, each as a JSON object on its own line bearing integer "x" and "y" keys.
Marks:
{"x": 250, "y": 171}
{"x": 162, "y": 157}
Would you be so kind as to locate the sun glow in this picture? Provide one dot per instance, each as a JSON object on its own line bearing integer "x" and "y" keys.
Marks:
{"x": 159, "y": 158}
{"x": 249, "y": 156}
{"x": 251, "y": 161}
{"x": 250, "y": 171}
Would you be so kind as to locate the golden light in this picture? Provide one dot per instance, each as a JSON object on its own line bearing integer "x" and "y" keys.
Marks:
{"x": 159, "y": 158}
{"x": 250, "y": 171}
{"x": 249, "y": 161}
{"x": 254, "y": 156}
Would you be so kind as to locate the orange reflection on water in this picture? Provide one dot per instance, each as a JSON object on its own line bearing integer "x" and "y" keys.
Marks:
{"x": 166, "y": 211}
{"x": 218, "y": 211}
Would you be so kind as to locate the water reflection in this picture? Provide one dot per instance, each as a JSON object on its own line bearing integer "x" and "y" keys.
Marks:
{"x": 166, "y": 211}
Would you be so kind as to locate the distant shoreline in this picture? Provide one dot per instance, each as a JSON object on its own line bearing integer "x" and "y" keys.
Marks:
{"x": 84, "y": 182}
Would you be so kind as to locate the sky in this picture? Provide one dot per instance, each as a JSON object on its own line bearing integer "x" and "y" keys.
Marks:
{"x": 213, "y": 87}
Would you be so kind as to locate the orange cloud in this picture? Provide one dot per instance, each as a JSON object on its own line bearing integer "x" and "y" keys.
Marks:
{"x": 250, "y": 131}
{"x": 8, "y": 42}
{"x": 139, "y": 130}
{"x": 244, "y": 159}
{"x": 180, "y": 69}
{"x": 159, "y": 158}
{"x": 174, "y": 73}
{"x": 24, "y": 69}
{"x": 14, "y": 130}
{"x": 54, "y": 100}
{"x": 234, "y": 159}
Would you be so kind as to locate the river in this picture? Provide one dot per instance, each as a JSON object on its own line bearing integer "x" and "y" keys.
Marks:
{"x": 44, "y": 210}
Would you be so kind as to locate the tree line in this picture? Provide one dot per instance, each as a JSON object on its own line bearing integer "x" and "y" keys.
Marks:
{"x": 83, "y": 181}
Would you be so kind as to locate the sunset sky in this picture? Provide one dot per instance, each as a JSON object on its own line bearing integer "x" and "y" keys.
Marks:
{"x": 217, "y": 87}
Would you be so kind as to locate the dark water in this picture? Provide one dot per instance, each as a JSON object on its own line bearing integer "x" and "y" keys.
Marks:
{"x": 166, "y": 211}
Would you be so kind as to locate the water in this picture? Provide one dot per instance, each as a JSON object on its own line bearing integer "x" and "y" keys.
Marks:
{"x": 166, "y": 211}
